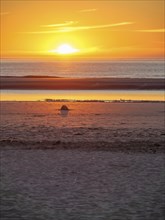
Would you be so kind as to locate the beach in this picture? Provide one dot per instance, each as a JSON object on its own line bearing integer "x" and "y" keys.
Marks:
{"x": 95, "y": 161}
{"x": 82, "y": 110}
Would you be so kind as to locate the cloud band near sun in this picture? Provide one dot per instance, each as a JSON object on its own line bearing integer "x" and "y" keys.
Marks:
{"x": 88, "y": 10}
{"x": 59, "y": 27}
{"x": 152, "y": 31}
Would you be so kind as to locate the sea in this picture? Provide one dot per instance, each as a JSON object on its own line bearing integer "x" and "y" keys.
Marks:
{"x": 119, "y": 69}
{"x": 84, "y": 69}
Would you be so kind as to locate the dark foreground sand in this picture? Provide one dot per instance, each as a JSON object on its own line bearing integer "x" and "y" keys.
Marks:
{"x": 99, "y": 161}
{"x": 50, "y": 83}
{"x": 73, "y": 184}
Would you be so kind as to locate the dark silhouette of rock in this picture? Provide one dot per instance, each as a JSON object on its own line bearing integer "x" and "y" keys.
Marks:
{"x": 64, "y": 107}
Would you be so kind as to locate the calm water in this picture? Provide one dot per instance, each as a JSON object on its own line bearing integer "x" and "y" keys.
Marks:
{"x": 109, "y": 95}
{"x": 131, "y": 69}
{"x": 119, "y": 69}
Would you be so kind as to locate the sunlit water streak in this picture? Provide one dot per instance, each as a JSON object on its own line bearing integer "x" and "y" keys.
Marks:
{"x": 109, "y": 95}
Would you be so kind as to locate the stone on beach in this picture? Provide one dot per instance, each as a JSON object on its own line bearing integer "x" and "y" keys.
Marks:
{"x": 64, "y": 107}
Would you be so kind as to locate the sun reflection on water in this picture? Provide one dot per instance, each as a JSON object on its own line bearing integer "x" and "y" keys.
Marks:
{"x": 109, "y": 95}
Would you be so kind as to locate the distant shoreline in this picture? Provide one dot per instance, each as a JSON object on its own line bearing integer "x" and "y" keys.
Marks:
{"x": 88, "y": 101}
{"x": 30, "y": 82}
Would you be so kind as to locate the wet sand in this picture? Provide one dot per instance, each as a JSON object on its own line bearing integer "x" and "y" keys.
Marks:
{"x": 50, "y": 83}
{"x": 98, "y": 161}
{"x": 115, "y": 126}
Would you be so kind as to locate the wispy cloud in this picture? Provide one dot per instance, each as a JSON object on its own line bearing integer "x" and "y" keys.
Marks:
{"x": 88, "y": 10}
{"x": 152, "y": 31}
{"x": 60, "y": 25}
{"x": 4, "y": 13}
{"x": 69, "y": 29}
{"x": 59, "y": 29}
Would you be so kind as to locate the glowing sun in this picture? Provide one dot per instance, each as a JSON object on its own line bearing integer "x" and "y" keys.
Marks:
{"x": 65, "y": 49}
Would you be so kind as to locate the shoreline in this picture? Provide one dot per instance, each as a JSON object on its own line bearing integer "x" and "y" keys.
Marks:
{"x": 87, "y": 101}
{"x": 57, "y": 83}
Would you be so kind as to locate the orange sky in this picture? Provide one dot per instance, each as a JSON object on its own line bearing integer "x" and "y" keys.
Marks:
{"x": 95, "y": 29}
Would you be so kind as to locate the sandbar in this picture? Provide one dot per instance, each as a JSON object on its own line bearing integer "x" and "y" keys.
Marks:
{"x": 57, "y": 83}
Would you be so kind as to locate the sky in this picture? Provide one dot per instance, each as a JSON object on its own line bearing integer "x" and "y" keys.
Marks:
{"x": 82, "y": 30}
